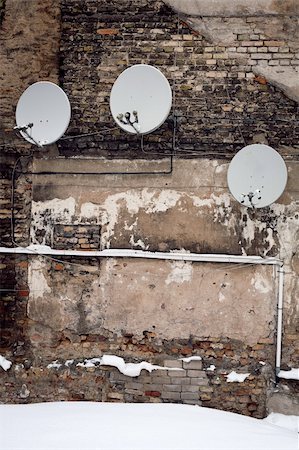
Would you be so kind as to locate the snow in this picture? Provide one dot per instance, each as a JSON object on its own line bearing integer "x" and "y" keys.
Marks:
{"x": 289, "y": 422}
{"x": 236, "y": 377}
{"x": 5, "y": 363}
{"x": 39, "y": 248}
{"x": 89, "y": 362}
{"x": 191, "y": 358}
{"x": 129, "y": 369}
{"x": 150, "y": 426}
{"x": 68, "y": 362}
{"x": 54, "y": 365}
{"x": 292, "y": 374}
{"x": 211, "y": 368}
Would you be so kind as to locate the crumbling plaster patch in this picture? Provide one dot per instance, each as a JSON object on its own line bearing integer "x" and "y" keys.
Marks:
{"x": 37, "y": 280}
{"x": 150, "y": 201}
{"x": 221, "y": 22}
{"x": 46, "y": 214}
{"x": 181, "y": 271}
{"x": 202, "y": 213}
{"x": 261, "y": 284}
{"x": 285, "y": 78}
{"x": 138, "y": 299}
{"x": 273, "y": 230}
{"x": 71, "y": 305}
{"x": 231, "y": 8}
{"x": 174, "y": 299}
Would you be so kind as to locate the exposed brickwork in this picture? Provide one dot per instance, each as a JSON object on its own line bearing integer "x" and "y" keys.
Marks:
{"x": 216, "y": 93}
{"x": 82, "y": 237}
{"x": 186, "y": 382}
{"x": 13, "y": 269}
{"x": 29, "y": 40}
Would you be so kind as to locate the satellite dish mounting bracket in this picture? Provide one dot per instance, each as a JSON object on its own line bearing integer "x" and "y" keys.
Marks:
{"x": 126, "y": 120}
{"x": 251, "y": 196}
{"x": 23, "y": 129}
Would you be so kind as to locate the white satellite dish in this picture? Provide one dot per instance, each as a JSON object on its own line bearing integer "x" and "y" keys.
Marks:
{"x": 43, "y": 113}
{"x": 140, "y": 99}
{"x": 257, "y": 176}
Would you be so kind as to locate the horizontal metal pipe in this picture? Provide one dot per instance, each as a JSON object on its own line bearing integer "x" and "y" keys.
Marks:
{"x": 129, "y": 253}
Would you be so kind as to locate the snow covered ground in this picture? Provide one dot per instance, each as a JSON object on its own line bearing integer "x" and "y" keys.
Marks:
{"x": 119, "y": 426}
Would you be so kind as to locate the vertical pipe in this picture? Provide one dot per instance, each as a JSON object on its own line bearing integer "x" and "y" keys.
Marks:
{"x": 279, "y": 318}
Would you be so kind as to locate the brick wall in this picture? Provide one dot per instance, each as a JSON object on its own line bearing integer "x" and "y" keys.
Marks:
{"x": 79, "y": 378}
{"x": 29, "y": 41}
{"x": 13, "y": 269}
{"x": 217, "y": 97}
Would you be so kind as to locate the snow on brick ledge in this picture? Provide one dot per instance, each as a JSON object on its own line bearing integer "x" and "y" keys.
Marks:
{"x": 236, "y": 377}
{"x": 129, "y": 369}
{"x": 292, "y": 374}
{"x": 5, "y": 363}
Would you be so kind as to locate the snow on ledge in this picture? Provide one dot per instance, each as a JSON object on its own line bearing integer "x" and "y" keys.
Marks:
{"x": 54, "y": 365}
{"x": 191, "y": 358}
{"x": 5, "y": 363}
{"x": 292, "y": 374}
{"x": 236, "y": 377}
{"x": 128, "y": 369}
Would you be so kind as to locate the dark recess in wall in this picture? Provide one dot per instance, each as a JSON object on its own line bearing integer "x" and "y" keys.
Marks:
{"x": 2, "y": 10}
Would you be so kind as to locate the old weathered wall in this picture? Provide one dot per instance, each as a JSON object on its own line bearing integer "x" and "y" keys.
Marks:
{"x": 29, "y": 43}
{"x": 219, "y": 101}
{"x": 191, "y": 210}
{"x": 156, "y": 311}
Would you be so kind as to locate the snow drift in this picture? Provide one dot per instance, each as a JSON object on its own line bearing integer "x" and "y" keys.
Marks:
{"x": 119, "y": 426}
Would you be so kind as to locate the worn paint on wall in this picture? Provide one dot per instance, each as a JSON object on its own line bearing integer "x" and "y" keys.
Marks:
{"x": 71, "y": 309}
{"x": 173, "y": 299}
{"x": 177, "y": 299}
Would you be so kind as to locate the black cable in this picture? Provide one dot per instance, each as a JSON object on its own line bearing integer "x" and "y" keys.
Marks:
{"x": 146, "y": 172}
{"x": 95, "y": 133}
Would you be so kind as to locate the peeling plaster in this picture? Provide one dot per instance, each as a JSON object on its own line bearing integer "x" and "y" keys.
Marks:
{"x": 261, "y": 284}
{"x": 45, "y": 214}
{"x": 221, "y": 21}
{"x": 284, "y": 78}
{"x": 138, "y": 243}
{"x": 151, "y": 201}
{"x": 258, "y": 225}
{"x": 181, "y": 272}
{"x": 36, "y": 279}
{"x": 221, "y": 297}
{"x": 221, "y": 208}
{"x": 90, "y": 210}
{"x": 227, "y": 8}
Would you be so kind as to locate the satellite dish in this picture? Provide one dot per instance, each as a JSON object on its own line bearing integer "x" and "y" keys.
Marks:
{"x": 140, "y": 99}
{"x": 43, "y": 113}
{"x": 257, "y": 176}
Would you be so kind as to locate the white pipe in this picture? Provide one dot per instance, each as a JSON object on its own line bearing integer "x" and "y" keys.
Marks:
{"x": 279, "y": 318}
{"x": 177, "y": 256}
{"x": 129, "y": 253}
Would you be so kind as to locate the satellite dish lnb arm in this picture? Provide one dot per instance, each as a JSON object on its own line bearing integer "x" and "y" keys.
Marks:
{"x": 23, "y": 129}
{"x": 126, "y": 120}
